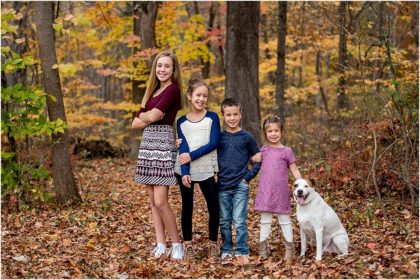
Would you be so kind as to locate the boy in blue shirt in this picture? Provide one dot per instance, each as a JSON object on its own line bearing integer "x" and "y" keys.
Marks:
{"x": 236, "y": 148}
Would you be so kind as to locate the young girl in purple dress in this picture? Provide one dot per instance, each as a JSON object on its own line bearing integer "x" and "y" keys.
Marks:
{"x": 273, "y": 195}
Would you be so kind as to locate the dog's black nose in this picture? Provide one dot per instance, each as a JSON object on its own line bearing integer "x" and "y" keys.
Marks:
{"x": 299, "y": 192}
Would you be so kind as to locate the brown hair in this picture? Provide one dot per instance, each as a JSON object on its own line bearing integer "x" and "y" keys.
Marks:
{"x": 193, "y": 84}
{"x": 230, "y": 102}
{"x": 154, "y": 82}
{"x": 271, "y": 120}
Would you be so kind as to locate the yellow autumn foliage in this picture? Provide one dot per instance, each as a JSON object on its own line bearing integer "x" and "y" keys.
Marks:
{"x": 86, "y": 120}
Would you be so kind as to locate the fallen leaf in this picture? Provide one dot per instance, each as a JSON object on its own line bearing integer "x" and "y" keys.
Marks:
{"x": 67, "y": 242}
{"x": 93, "y": 225}
{"x": 21, "y": 258}
{"x": 371, "y": 246}
{"x": 91, "y": 243}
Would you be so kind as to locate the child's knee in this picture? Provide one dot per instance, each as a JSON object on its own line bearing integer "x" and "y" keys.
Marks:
{"x": 266, "y": 218}
{"x": 284, "y": 219}
{"x": 160, "y": 203}
{"x": 239, "y": 223}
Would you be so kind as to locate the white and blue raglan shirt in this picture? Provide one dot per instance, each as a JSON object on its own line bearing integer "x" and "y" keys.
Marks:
{"x": 200, "y": 139}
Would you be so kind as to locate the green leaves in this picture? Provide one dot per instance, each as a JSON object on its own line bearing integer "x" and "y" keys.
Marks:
{"x": 24, "y": 114}
{"x": 58, "y": 26}
{"x": 23, "y": 117}
{"x": 12, "y": 61}
{"x": 66, "y": 69}
{"x": 6, "y": 27}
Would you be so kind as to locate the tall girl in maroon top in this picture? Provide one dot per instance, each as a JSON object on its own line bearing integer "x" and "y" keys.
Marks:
{"x": 157, "y": 152}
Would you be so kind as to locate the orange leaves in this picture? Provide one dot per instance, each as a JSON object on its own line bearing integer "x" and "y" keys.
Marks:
{"x": 371, "y": 245}
{"x": 90, "y": 244}
{"x": 67, "y": 242}
{"x": 131, "y": 40}
{"x": 86, "y": 120}
{"x": 85, "y": 242}
{"x": 106, "y": 72}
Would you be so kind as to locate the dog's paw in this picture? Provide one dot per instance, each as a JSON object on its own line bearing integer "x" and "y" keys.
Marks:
{"x": 341, "y": 256}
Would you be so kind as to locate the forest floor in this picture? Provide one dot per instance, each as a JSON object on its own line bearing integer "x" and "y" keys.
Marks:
{"x": 110, "y": 235}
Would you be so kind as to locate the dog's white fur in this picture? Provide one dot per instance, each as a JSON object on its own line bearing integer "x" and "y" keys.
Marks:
{"x": 318, "y": 222}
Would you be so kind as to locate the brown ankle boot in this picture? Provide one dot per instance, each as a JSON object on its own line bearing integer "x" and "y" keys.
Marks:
{"x": 189, "y": 254}
{"x": 213, "y": 250}
{"x": 264, "y": 251}
{"x": 290, "y": 251}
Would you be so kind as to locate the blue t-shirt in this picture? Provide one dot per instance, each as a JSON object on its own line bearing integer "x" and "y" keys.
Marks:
{"x": 233, "y": 154}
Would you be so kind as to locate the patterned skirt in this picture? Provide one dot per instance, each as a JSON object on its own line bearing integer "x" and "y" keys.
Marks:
{"x": 157, "y": 155}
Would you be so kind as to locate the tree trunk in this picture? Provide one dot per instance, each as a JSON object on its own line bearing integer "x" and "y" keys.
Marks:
{"x": 11, "y": 79}
{"x": 281, "y": 59}
{"x": 242, "y": 61}
{"x": 379, "y": 65}
{"x": 319, "y": 79}
{"x": 144, "y": 22}
{"x": 301, "y": 44}
{"x": 221, "y": 68}
{"x": 265, "y": 30}
{"x": 327, "y": 65}
{"x": 415, "y": 24}
{"x": 342, "y": 58}
{"x": 212, "y": 16}
{"x": 65, "y": 185}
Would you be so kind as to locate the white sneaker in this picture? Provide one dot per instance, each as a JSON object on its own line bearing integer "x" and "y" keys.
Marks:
{"x": 176, "y": 252}
{"x": 226, "y": 258}
{"x": 226, "y": 255}
{"x": 159, "y": 250}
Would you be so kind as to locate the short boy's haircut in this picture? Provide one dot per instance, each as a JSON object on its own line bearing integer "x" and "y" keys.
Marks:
{"x": 230, "y": 102}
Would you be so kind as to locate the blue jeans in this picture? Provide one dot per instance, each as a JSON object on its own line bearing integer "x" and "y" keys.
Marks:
{"x": 233, "y": 208}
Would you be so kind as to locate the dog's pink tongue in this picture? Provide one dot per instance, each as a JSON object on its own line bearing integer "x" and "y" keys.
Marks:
{"x": 300, "y": 200}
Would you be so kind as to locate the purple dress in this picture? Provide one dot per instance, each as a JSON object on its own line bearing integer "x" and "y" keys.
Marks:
{"x": 273, "y": 193}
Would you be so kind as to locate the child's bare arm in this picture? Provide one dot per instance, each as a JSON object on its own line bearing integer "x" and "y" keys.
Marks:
{"x": 138, "y": 123}
{"x": 151, "y": 116}
{"x": 257, "y": 157}
{"x": 295, "y": 171}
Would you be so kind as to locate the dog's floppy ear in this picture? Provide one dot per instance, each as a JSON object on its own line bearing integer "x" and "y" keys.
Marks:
{"x": 312, "y": 182}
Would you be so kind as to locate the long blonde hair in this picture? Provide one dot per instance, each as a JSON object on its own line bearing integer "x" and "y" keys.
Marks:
{"x": 154, "y": 82}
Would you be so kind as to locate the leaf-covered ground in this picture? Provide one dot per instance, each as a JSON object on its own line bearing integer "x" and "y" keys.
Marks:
{"x": 111, "y": 236}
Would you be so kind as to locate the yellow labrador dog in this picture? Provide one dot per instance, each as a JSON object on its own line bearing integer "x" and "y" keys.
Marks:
{"x": 318, "y": 222}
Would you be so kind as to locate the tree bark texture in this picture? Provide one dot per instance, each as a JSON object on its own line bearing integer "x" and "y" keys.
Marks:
{"x": 212, "y": 16}
{"x": 281, "y": 59}
{"x": 242, "y": 61}
{"x": 64, "y": 183}
{"x": 144, "y": 22}
{"x": 318, "y": 71}
{"x": 11, "y": 79}
{"x": 379, "y": 65}
{"x": 301, "y": 45}
{"x": 415, "y": 23}
{"x": 342, "y": 57}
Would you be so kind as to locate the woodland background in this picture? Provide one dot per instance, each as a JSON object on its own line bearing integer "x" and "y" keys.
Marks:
{"x": 343, "y": 75}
